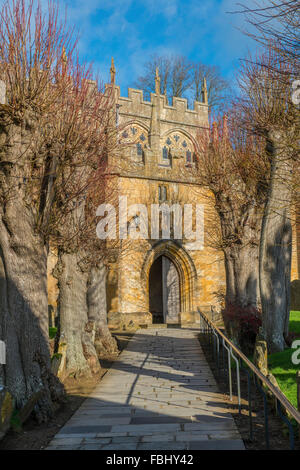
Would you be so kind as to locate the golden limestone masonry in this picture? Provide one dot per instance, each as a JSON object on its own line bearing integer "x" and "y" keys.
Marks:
{"x": 161, "y": 277}
{"x": 160, "y": 280}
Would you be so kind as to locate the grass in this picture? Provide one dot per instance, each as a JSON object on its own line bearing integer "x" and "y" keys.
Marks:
{"x": 295, "y": 322}
{"x": 52, "y": 332}
{"x": 281, "y": 366}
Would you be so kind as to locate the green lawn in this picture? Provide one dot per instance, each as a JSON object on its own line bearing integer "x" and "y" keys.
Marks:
{"x": 281, "y": 366}
{"x": 295, "y": 322}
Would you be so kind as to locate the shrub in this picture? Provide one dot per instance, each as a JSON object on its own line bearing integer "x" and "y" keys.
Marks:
{"x": 242, "y": 324}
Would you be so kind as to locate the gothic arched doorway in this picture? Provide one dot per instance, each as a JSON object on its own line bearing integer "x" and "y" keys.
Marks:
{"x": 164, "y": 291}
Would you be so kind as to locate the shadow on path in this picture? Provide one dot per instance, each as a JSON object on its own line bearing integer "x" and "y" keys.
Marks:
{"x": 159, "y": 394}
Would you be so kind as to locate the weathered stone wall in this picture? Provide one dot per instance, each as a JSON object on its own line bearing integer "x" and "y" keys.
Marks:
{"x": 155, "y": 157}
{"x": 205, "y": 279}
{"x": 134, "y": 107}
{"x": 157, "y": 138}
{"x": 159, "y": 141}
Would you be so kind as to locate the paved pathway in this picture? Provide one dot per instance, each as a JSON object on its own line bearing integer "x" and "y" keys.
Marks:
{"x": 159, "y": 394}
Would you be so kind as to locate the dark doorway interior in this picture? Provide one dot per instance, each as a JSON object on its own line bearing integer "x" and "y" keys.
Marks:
{"x": 164, "y": 292}
{"x": 156, "y": 291}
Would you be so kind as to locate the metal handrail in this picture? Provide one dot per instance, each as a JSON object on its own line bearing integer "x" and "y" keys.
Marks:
{"x": 286, "y": 404}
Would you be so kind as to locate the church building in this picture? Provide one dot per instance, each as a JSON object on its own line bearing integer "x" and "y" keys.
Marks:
{"x": 161, "y": 279}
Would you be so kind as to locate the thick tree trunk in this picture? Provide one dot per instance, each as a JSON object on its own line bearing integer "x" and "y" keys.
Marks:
{"x": 240, "y": 230}
{"x": 105, "y": 344}
{"x": 276, "y": 248}
{"x": 24, "y": 309}
{"x": 240, "y": 239}
{"x": 81, "y": 358}
{"x": 241, "y": 267}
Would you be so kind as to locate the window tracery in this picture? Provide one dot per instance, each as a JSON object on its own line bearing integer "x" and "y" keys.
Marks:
{"x": 177, "y": 145}
{"x": 134, "y": 135}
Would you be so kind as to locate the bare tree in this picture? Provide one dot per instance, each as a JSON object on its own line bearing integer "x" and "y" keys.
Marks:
{"x": 180, "y": 76}
{"x": 146, "y": 82}
{"x": 183, "y": 78}
{"x": 230, "y": 167}
{"x": 44, "y": 144}
{"x": 218, "y": 88}
{"x": 276, "y": 24}
{"x": 81, "y": 272}
{"x": 174, "y": 73}
{"x": 270, "y": 113}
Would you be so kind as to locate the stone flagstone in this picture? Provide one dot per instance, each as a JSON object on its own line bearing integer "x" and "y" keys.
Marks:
{"x": 159, "y": 395}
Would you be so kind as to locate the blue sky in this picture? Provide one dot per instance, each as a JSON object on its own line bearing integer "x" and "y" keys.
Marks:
{"x": 132, "y": 30}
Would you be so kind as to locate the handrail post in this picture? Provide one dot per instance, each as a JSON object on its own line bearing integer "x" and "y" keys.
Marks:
{"x": 298, "y": 398}
{"x": 261, "y": 381}
{"x": 223, "y": 358}
{"x": 289, "y": 424}
{"x": 229, "y": 369}
{"x": 260, "y": 388}
{"x": 217, "y": 350}
{"x": 249, "y": 402}
{"x": 237, "y": 378}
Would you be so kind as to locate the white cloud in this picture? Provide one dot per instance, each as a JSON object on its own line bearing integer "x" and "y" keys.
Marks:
{"x": 200, "y": 29}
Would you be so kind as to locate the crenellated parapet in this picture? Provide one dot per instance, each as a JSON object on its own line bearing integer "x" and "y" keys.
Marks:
{"x": 159, "y": 136}
{"x": 178, "y": 113}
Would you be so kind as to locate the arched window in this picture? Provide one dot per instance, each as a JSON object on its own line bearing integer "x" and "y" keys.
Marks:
{"x": 165, "y": 153}
{"x": 139, "y": 149}
{"x": 136, "y": 136}
{"x": 162, "y": 193}
{"x": 177, "y": 145}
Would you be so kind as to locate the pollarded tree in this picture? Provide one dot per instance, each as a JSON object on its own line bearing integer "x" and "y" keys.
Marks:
{"x": 270, "y": 113}
{"x": 37, "y": 164}
{"x": 229, "y": 166}
{"x": 81, "y": 272}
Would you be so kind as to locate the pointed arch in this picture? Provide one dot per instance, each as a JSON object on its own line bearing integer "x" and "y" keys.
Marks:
{"x": 184, "y": 265}
{"x": 134, "y": 124}
{"x": 135, "y": 134}
{"x": 179, "y": 130}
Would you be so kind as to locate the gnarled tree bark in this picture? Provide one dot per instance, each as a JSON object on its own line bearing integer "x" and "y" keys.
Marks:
{"x": 241, "y": 267}
{"x": 105, "y": 344}
{"x": 276, "y": 246}
{"x": 24, "y": 310}
{"x": 240, "y": 228}
{"x": 23, "y": 277}
{"x": 72, "y": 274}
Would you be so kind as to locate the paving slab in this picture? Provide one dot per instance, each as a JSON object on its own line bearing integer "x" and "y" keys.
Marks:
{"x": 159, "y": 395}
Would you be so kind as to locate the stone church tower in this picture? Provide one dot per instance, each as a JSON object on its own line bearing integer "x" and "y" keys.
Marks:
{"x": 160, "y": 278}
